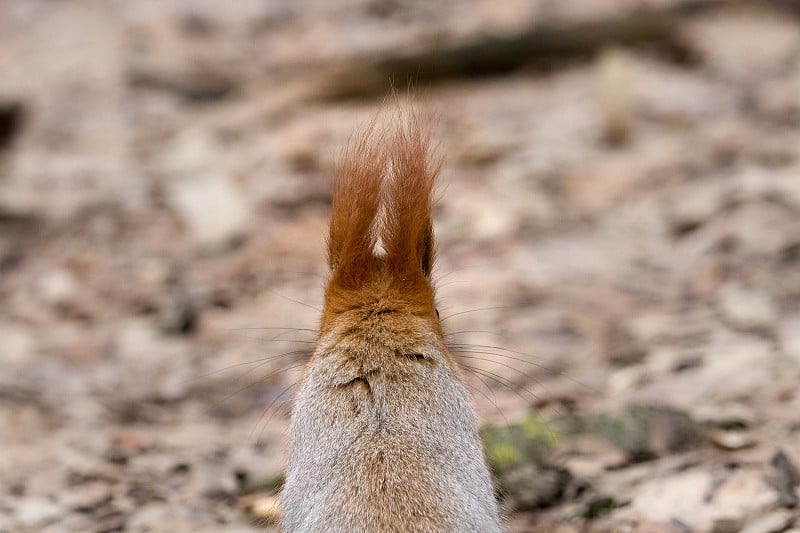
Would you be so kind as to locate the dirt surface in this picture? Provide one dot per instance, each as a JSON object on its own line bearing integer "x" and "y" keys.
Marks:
{"x": 619, "y": 239}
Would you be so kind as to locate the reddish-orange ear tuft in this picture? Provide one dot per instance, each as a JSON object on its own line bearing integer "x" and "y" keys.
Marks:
{"x": 408, "y": 198}
{"x": 382, "y": 204}
{"x": 356, "y": 199}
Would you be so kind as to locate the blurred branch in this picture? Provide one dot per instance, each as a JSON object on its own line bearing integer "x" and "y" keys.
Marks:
{"x": 539, "y": 44}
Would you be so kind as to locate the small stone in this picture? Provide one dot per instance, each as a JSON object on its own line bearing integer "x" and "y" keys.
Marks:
{"x": 136, "y": 341}
{"x": 16, "y": 344}
{"x": 620, "y": 346}
{"x": 677, "y": 497}
{"x": 744, "y": 493}
{"x": 188, "y": 154}
{"x": 85, "y": 498}
{"x": 731, "y": 440}
{"x": 213, "y": 210}
{"x": 263, "y": 507}
{"x": 153, "y": 273}
{"x": 774, "y": 522}
{"x": 615, "y": 96}
{"x": 726, "y": 525}
{"x": 76, "y": 522}
{"x": 36, "y": 512}
{"x": 586, "y": 456}
{"x": 746, "y": 309}
{"x": 789, "y": 337}
{"x": 598, "y": 186}
{"x": 151, "y": 517}
{"x": 129, "y": 442}
{"x": 28, "y": 422}
{"x": 688, "y": 212}
{"x": 213, "y": 478}
{"x": 57, "y": 288}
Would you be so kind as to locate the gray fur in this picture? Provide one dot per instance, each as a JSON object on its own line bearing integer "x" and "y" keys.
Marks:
{"x": 396, "y": 452}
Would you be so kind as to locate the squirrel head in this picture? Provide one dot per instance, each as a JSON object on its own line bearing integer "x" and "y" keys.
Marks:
{"x": 384, "y": 436}
{"x": 381, "y": 246}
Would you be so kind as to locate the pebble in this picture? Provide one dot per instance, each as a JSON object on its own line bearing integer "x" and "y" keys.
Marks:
{"x": 743, "y": 493}
{"x": 36, "y": 512}
{"x": 214, "y": 211}
{"x": 587, "y": 456}
{"x": 732, "y": 440}
{"x": 726, "y": 525}
{"x": 264, "y": 507}
{"x": 687, "y": 212}
{"x": 620, "y": 346}
{"x": 16, "y": 344}
{"x": 57, "y": 288}
{"x": 150, "y": 518}
{"x": 86, "y": 497}
{"x": 746, "y": 309}
{"x": 774, "y": 522}
{"x": 189, "y": 153}
{"x": 211, "y": 478}
{"x": 679, "y": 497}
{"x": 789, "y": 337}
{"x": 615, "y": 95}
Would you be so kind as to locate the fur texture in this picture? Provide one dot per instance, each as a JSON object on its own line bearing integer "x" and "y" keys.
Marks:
{"x": 384, "y": 435}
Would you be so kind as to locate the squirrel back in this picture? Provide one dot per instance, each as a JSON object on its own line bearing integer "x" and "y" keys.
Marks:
{"x": 383, "y": 434}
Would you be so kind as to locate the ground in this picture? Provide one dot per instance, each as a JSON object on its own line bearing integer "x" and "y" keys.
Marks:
{"x": 619, "y": 252}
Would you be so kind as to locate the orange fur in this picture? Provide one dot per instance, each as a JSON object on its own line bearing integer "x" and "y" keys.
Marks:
{"x": 383, "y": 192}
{"x": 384, "y": 436}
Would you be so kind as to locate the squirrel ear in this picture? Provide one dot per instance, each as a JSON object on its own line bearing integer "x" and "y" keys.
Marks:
{"x": 408, "y": 198}
{"x": 356, "y": 199}
{"x": 382, "y": 203}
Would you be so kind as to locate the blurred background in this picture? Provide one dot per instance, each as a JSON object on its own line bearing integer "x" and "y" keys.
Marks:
{"x": 619, "y": 250}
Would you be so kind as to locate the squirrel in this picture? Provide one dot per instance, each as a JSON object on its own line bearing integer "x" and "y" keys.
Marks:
{"x": 384, "y": 436}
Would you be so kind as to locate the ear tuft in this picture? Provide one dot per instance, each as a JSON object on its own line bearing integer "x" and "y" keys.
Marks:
{"x": 382, "y": 202}
{"x": 408, "y": 198}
